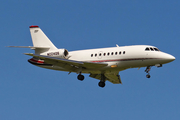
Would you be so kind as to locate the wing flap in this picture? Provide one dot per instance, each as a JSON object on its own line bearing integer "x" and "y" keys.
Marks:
{"x": 111, "y": 77}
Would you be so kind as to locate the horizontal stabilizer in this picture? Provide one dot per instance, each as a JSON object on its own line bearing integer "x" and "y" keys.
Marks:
{"x": 30, "y": 47}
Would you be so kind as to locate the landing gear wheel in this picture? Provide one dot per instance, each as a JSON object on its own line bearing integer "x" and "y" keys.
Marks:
{"x": 80, "y": 77}
{"x": 148, "y": 76}
{"x": 101, "y": 84}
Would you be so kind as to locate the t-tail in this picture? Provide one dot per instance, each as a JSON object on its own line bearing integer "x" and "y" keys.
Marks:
{"x": 41, "y": 42}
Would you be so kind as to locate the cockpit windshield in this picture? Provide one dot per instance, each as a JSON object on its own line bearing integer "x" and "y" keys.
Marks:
{"x": 147, "y": 49}
{"x": 156, "y": 49}
{"x": 151, "y": 49}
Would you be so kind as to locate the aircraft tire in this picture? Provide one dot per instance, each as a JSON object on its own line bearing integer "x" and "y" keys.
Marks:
{"x": 101, "y": 84}
{"x": 80, "y": 77}
{"x": 148, "y": 76}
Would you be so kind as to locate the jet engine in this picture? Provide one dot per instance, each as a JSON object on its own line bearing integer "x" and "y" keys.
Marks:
{"x": 60, "y": 53}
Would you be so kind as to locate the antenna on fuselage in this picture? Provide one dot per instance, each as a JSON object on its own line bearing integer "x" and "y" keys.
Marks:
{"x": 117, "y": 45}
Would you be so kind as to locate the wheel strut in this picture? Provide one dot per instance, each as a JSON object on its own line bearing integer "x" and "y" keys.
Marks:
{"x": 147, "y": 71}
{"x": 102, "y": 82}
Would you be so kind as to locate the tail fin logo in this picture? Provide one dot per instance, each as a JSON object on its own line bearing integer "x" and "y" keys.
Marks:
{"x": 35, "y": 31}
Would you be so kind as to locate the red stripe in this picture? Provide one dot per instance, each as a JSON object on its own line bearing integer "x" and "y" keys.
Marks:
{"x": 36, "y": 61}
{"x": 124, "y": 59}
{"x": 33, "y": 26}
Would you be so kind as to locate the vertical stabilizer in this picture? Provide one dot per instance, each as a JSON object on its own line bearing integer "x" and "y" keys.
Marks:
{"x": 40, "y": 40}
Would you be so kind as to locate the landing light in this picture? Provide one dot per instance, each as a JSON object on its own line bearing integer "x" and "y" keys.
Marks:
{"x": 113, "y": 66}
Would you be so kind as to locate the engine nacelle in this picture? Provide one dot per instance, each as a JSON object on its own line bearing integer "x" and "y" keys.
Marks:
{"x": 60, "y": 53}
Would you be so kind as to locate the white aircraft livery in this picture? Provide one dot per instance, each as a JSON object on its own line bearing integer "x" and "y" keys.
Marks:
{"x": 103, "y": 64}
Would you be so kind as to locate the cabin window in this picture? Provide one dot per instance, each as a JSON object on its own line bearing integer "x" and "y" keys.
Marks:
{"x": 99, "y": 54}
{"x": 108, "y": 54}
{"x": 112, "y": 53}
{"x": 104, "y": 54}
{"x": 115, "y": 53}
{"x": 119, "y": 52}
{"x": 147, "y": 49}
{"x": 124, "y": 52}
{"x": 91, "y": 55}
{"x": 95, "y": 55}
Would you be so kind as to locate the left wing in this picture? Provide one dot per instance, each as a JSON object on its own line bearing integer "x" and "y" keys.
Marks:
{"x": 61, "y": 61}
{"x": 113, "y": 77}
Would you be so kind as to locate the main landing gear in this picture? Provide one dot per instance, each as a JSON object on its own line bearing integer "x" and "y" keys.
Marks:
{"x": 102, "y": 81}
{"x": 80, "y": 77}
{"x": 147, "y": 71}
{"x": 101, "y": 84}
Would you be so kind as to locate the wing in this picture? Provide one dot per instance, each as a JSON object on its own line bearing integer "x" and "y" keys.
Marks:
{"x": 111, "y": 77}
{"x": 71, "y": 63}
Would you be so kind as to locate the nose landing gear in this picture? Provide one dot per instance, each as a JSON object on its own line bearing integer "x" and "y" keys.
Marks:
{"x": 148, "y": 76}
{"x": 147, "y": 71}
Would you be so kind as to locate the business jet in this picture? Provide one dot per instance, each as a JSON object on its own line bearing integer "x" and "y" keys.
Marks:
{"x": 103, "y": 64}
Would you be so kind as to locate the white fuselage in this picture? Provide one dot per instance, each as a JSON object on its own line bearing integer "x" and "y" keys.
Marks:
{"x": 120, "y": 58}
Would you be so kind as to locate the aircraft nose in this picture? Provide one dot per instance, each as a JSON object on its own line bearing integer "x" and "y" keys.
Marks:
{"x": 170, "y": 58}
